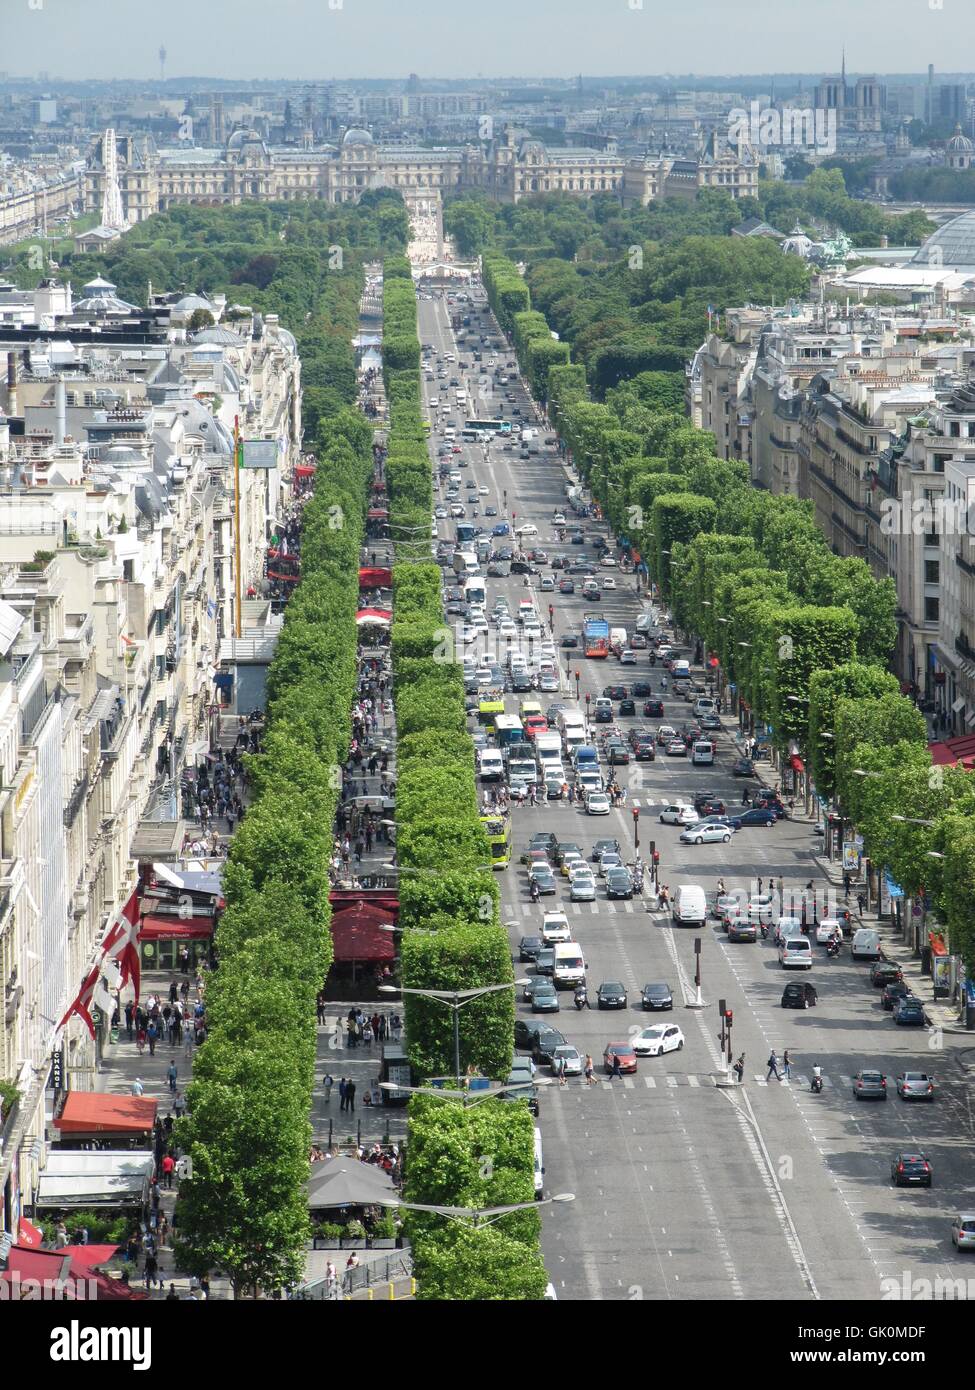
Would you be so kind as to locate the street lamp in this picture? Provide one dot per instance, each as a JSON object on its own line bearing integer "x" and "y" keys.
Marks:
{"x": 475, "y": 1217}
{"x": 455, "y": 1000}
{"x": 913, "y": 820}
{"x": 466, "y": 1097}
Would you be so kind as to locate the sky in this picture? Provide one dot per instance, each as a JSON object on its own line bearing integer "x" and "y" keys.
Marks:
{"x": 321, "y": 40}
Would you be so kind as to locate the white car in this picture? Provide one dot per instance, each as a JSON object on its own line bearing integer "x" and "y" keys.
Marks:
{"x": 828, "y": 928}
{"x": 609, "y": 860}
{"x": 658, "y": 1038}
{"x": 558, "y": 519}
{"x": 468, "y": 634}
{"x": 548, "y": 683}
{"x": 761, "y": 908}
{"x": 570, "y": 861}
{"x": 482, "y": 491}
{"x": 583, "y": 889}
{"x": 705, "y": 835}
{"x": 608, "y": 562}
{"x": 484, "y": 677}
{"x": 555, "y": 927}
{"x": 627, "y": 657}
{"x": 609, "y": 582}
{"x": 597, "y": 804}
{"x": 529, "y": 529}
{"x": 508, "y": 630}
{"x": 441, "y": 513}
{"x": 571, "y": 1059}
{"x": 679, "y": 814}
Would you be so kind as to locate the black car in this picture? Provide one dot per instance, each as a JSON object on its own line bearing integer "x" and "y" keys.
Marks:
{"x": 657, "y": 996}
{"x": 603, "y": 715}
{"x": 577, "y": 538}
{"x": 569, "y": 639}
{"x": 708, "y": 799}
{"x": 542, "y": 839}
{"x": 799, "y": 995}
{"x": 546, "y": 1041}
{"x": 743, "y": 767}
{"x": 582, "y": 567}
{"x": 891, "y": 992}
{"x": 611, "y": 995}
{"x": 885, "y": 972}
{"x": 612, "y": 845}
{"x": 910, "y": 1170}
{"x": 645, "y": 750}
{"x": 545, "y": 961}
{"x": 619, "y": 883}
{"x": 527, "y": 1031}
{"x": 756, "y": 815}
{"x": 641, "y": 689}
{"x": 617, "y": 752}
{"x": 529, "y": 947}
{"x": 614, "y": 692}
{"x": 523, "y": 567}
{"x": 627, "y": 707}
{"x": 654, "y": 709}
{"x": 909, "y": 1012}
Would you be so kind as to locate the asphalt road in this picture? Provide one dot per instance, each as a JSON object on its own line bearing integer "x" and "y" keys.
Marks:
{"x": 684, "y": 1189}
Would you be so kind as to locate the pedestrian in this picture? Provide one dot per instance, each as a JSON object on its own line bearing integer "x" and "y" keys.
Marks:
{"x": 129, "y": 1013}
{"x": 168, "y": 1167}
{"x": 172, "y": 1296}
{"x": 171, "y": 1074}
{"x": 173, "y": 991}
{"x": 590, "y": 1071}
{"x": 151, "y": 1270}
{"x": 137, "y": 1088}
{"x": 140, "y": 1040}
{"x": 773, "y": 1067}
{"x": 560, "y": 1065}
{"x": 759, "y": 887}
{"x": 328, "y": 1082}
{"x": 739, "y": 1069}
{"x": 152, "y": 1032}
{"x": 786, "y": 1066}
{"x": 615, "y": 1070}
{"x": 331, "y": 1279}
{"x": 343, "y": 1093}
{"x": 350, "y": 1095}
{"x": 179, "y": 1105}
{"x": 861, "y": 903}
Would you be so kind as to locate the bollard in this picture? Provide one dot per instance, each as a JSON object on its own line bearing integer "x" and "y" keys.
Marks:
{"x": 392, "y": 1289}
{"x": 412, "y": 1287}
{"x": 369, "y": 1293}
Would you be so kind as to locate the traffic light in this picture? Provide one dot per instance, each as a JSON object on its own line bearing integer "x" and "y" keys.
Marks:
{"x": 729, "y": 1017}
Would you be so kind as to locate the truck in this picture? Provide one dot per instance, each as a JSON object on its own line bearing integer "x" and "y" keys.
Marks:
{"x": 595, "y": 635}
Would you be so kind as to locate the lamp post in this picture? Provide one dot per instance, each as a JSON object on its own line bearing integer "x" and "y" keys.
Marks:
{"x": 454, "y": 1000}
{"x": 477, "y": 1217}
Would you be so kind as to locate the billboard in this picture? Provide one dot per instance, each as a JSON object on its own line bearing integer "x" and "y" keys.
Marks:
{"x": 259, "y": 453}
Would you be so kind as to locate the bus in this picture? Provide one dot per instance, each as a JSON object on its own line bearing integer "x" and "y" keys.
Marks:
{"x": 498, "y": 830}
{"x": 488, "y": 426}
{"x": 595, "y": 635}
{"x": 487, "y": 712}
{"x": 508, "y": 729}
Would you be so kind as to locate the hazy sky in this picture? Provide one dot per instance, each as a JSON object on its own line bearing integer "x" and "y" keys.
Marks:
{"x": 323, "y": 39}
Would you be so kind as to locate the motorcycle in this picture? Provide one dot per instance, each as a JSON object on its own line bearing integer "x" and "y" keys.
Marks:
{"x": 817, "y": 1081}
{"x": 580, "y": 997}
{"x": 832, "y": 947}
{"x": 534, "y": 893}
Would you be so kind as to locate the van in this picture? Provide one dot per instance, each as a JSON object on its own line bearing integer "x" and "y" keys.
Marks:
{"x": 617, "y": 638}
{"x": 571, "y": 718}
{"x": 585, "y": 757}
{"x": 865, "y": 944}
{"x": 690, "y": 908}
{"x": 574, "y": 739}
{"x": 450, "y": 433}
{"x": 702, "y": 754}
{"x": 527, "y": 708}
{"x": 539, "y": 1165}
{"x": 795, "y": 953}
{"x": 703, "y": 705}
{"x": 492, "y": 766}
{"x": 570, "y": 965}
{"x": 681, "y": 670}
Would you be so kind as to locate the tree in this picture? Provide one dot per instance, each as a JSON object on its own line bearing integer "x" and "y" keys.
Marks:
{"x": 200, "y": 318}
{"x": 851, "y": 680}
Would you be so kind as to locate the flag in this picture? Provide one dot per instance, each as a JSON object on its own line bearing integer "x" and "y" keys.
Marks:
{"x": 118, "y": 961}
{"x": 211, "y": 608}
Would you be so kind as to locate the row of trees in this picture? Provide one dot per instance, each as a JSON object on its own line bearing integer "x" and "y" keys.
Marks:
{"x": 449, "y": 903}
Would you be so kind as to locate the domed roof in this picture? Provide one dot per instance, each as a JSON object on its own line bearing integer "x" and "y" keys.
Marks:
{"x": 224, "y": 336}
{"x": 952, "y": 245}
{"x": 243, "y": 136}
{"x": 356, "y": 135}
{"x": 122, "y": 456}
{"x": 189, "y": 302}
{"x": 959, "y": 143}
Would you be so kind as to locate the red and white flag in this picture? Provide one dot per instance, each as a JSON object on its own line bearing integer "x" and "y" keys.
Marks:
{"x": 118, "y": 961}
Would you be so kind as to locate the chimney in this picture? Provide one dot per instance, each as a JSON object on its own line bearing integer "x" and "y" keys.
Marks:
{"x": 11, "y": 383}
{"x": 59, "y": 411}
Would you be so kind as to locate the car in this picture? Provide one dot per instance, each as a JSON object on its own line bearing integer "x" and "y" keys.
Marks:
{"x": 490, "y": 511}
{"x": 740, "y": 927}
{"x": 885, "y": 972}
{"x": 754, "y": 816}
{"x": 555, "y": 927}
{"x": 542, "y": 875}
{"x": 529, "y": 947}
{"x": 527, "y": 1030}
{"x": 909, "y": 1012}
{"x": 709, "y": 804}
{"x": 608, "y": 561}
{"x": 724, "y": 903}
{"x": 621, "y": 1052}
{"x": 545, "y": 840}
{"x": 645, "y": 750}
{"x": 891, "y": 992}
{"x": 609, "y": 859}
{"x": 710, "y": 721}
{"x": 597, "y": 804}
{"x": 547, "y": 1039}
{"x": 554, "y": 787}
{"x": 611, "y": 995}
{"x": 706, "y": 834}
{"x": 676, "y": 748}
{"x": 548, "y": 682}
{"x": 657, "y": 995}
{"x": 679, "y": 813}
{"x": 569, "y": 640}
{"x": 545, "y": 998}
{"x": 614, "y": 692}
{"x": 582, "y": 889}
{"x": 761, "y": 908}
{"x": 617, "y": 752}
{"x": 527, "y": 529}
{"x": 869, "y": 1085}
{"x": 500, "y": 528}
{"x": 570, "y": 1059}
{"x": 619, "y": 884}
{"x": 743, "y": 767}
{"x": 638, "y": 642}
{"x": 567, "y": 849}
{"x": 532, "y": 982}
{"x": 657, "y": 1039}
{"x": 828, "y": 930}
{"x": 799, "y": 994}
{"x": 610, "y": 583}
{"x": 627, "y": 707}
{"x": 915, "y": 1085}
{"x": 604, "y": 846}
{"x": 570, "y": 861}
{"x": 963, "y": 1231}
{"x": 566, "y": 586}
{"x": 911, "y": 1169}
{"x": 577, "y": 538}
{"x": 665, "y": 733}
{"x": 653, "y": 709}
{"x": 786, "y": 927}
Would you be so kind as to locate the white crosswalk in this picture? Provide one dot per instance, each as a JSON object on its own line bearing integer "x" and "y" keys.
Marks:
{"x": 668, "y": 1080}
{"x": 600, "y": 906}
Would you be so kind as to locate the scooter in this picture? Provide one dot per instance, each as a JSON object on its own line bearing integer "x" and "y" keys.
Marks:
{"x": 816, "y": 1085}
{"x": 832, "y": 947}
{"x": 581, "y": 998}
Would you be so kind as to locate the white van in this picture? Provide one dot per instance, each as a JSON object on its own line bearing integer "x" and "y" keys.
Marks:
{"x": 492, "y": 765}
{"x": 702, "y": 754}
{"x": 574, "y": 737}
{"x": 617, "y": 638}
{"x": 795, "y": 953}
{"x": 539, "y": 1164}
{"x": 570, "y": 965}
{"x": 704, "y": 705}
{"x": 690, "y": 907}
{"x": 865, "y": 944}
{"x": 450, "y": 434}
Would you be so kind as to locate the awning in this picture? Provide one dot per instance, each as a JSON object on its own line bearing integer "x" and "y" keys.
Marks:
{"x": 52, "y": 1268}
{"x": 348, "y": 1182}
{"x": 105, "y": 1178}
{"x": 304, "y": 470}
{"x": 376, "y": 578}
{"x": 94, "y": 1112}
{"x": 377, "y": 514}
{"x": 953, "y": 750}
{"x": 28, "y": 1234}
{"x": 796, "y": 763}
{"x": 155, "y": 928}
{"x": 357, "y": 934}
{"x": 376, "y": 617}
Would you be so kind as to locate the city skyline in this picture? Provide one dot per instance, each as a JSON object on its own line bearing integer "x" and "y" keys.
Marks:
{"x": 349, "y": 39}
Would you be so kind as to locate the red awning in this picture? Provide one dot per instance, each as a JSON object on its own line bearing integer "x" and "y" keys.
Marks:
{"x": 953, "y": 750}
{"x": 381, "y": 617}
{"x": 28, "y": 1234}
{"x": 376, "y": 578}
{"x": 357, "y": 934}
{"x": 95, "y": 1112}
{"x": 175, "y": 928}
{"x": 74, "y": 1262}
{"x": 377, "y": 514}
{"x": 304, "y": 470}
{"x": 796, "y": 763}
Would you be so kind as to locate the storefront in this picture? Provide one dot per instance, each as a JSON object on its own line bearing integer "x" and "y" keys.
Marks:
{"x": 162, "y": 938}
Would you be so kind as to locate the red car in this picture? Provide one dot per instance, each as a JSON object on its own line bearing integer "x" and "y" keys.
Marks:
{"x": 535, "y": 724}
{"x": 623, "y": 1051}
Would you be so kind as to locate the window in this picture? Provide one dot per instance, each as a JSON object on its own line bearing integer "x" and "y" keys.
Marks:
{"x": 932, "y": 571}
{"x": 931, "y": 610}
{"x": 939, "y": 462}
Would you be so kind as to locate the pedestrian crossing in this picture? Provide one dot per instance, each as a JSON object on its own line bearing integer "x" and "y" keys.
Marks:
{"x": 695, "y": 1080}
{"x": 574, "y": 909}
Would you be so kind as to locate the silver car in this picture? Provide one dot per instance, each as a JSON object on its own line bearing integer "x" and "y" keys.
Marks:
{"x": 915, "y": 1085}
{"x": 583, "y": 889}
{"x": 705, "y": 834}
{"x": 963, "y": 1231}
{"x": 570, "y": 1056}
